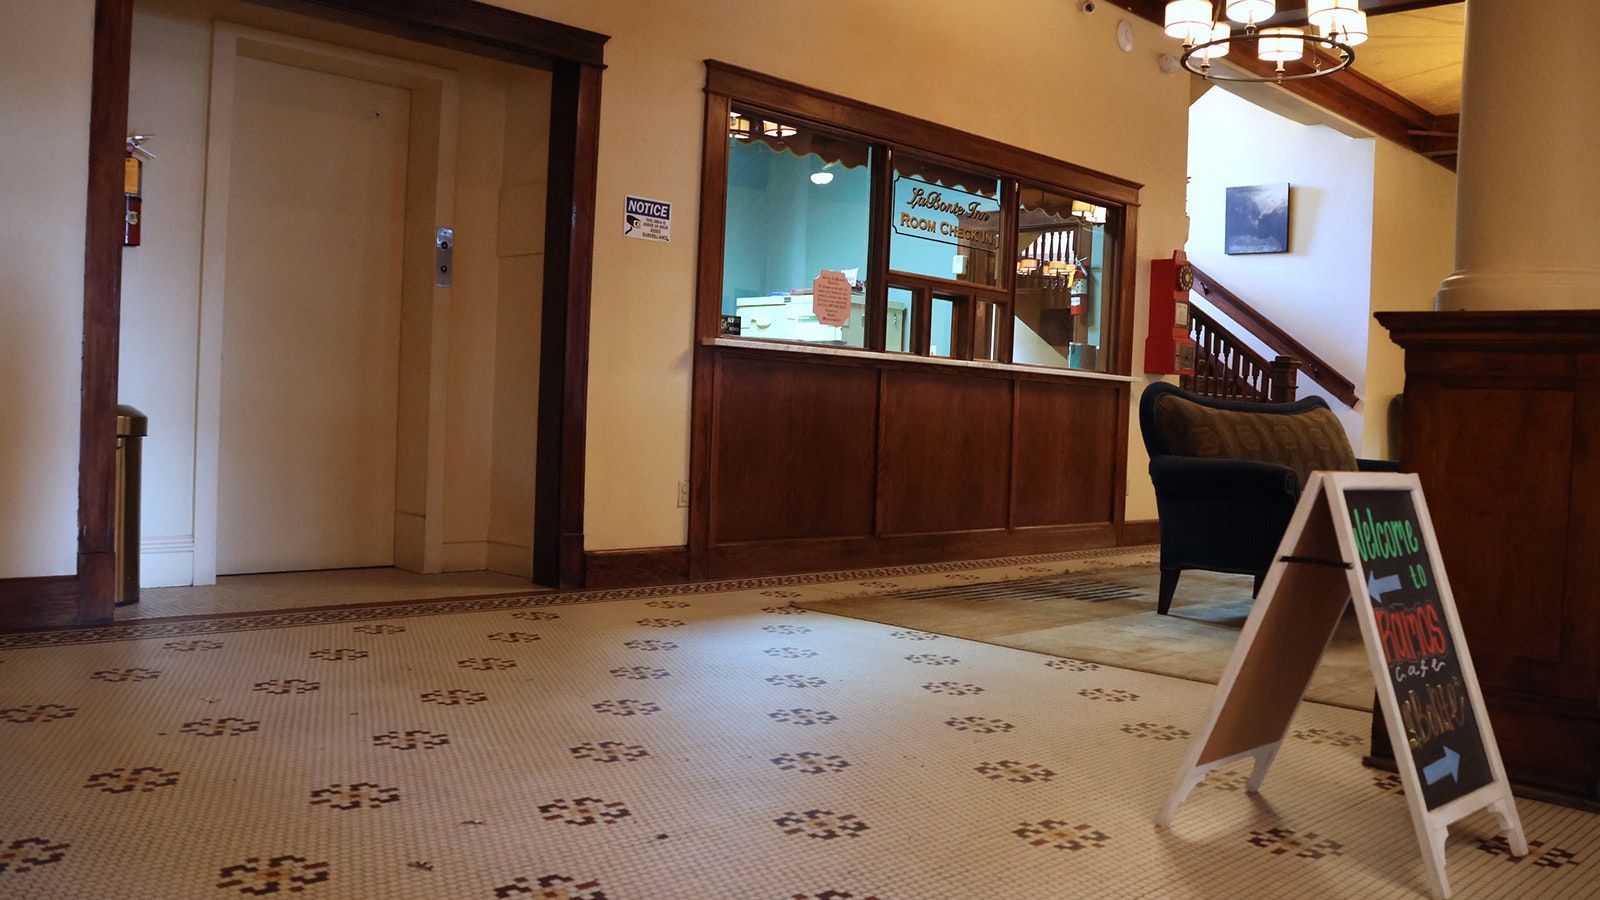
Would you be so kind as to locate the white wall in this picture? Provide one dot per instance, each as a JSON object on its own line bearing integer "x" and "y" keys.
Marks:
{"x": 45, "y": 66}
{"x": 1319, "y": 291}
{"x": 1372, "y": 228}
{"x": 1034, "y": 73}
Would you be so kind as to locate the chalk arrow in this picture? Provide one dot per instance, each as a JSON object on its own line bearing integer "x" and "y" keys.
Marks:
{"x": 1377, "y": 587}
{"x": 1449, "y": 764}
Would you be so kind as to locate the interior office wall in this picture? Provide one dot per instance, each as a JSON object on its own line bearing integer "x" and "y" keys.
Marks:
{"x": 161, "y": 281}
{"x": 517, "y": 325}
{"x": 45, "y": 65}
{"x": 1036, "y": 74}
{"x": 1413, "y": 251}
{"x": 1320, "y": 291}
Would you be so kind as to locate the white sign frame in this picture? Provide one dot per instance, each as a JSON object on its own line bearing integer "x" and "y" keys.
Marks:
{"x": 1317, "y": 571}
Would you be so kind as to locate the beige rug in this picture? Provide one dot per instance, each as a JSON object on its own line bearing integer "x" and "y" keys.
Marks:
{"x": 1106, "y": 613}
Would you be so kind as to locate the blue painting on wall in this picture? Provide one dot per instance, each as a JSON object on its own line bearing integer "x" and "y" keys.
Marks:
{"x": 1257, "y": 219}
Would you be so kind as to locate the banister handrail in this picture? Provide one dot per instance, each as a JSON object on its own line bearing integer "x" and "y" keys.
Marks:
{"x": 1225, "y": 366}
{"x": 1270, "y": 334}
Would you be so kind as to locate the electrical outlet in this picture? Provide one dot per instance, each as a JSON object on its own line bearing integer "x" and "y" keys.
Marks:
{"x": 683, "y": 495}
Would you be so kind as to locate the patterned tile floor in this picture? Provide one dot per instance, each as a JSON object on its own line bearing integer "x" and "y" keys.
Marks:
{"x": 695, "y": 742}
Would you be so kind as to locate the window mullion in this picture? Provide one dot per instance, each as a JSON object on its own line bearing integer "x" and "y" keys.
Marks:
{"x": 877, "y": 298}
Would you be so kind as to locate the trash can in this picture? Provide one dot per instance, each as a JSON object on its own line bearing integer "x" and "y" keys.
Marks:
{"x": 132, "y": 426}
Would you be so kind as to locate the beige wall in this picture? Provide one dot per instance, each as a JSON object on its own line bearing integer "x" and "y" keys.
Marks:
{"x": 45, "y": 61}
{"x": 1034, "y": 73}
{"x": 1413, "y": 251}
{"x": 517, "y": 329}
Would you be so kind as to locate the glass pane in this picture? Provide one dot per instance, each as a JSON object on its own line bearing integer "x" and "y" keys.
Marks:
{"x": 798, "y": 205}
{"x": 983, "y": 337}
{"x": 940, "y": 332}
{"x": 1060, "y": 312}
{"x": 901, "y": 310}
{"x": 945, "y": 223}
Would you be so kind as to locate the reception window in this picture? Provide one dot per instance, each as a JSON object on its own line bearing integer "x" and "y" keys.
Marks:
{"x": 836, "y": 223}
{"x": 799, "y": 204}
{"x": 1060, "y": 298}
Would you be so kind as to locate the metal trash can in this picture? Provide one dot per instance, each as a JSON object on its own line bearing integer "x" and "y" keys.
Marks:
{"x": 132, "y": 426}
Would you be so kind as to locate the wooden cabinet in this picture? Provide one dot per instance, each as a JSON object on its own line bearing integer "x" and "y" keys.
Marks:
{"x": 1502, "y": 424}
{"x": 826, "y": 461}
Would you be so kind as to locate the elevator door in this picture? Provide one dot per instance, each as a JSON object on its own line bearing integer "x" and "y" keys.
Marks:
{"x": 311, "y": 321}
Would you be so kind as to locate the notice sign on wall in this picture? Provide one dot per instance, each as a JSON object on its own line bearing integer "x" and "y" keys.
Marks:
{"x": 830, "y": 298}
{"x": 649, "y": 220}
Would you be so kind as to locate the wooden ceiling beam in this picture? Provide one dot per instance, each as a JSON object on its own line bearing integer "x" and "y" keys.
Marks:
{"x": 1347, "y": 93}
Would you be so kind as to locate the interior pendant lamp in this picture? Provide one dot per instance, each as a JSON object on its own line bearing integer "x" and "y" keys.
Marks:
{"x": 1339, "y": 26}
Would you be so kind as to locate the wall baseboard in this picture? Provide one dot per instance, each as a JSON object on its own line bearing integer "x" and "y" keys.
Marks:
{"x": 49, "y": 602}
{"x": 670, "y": 565}
{"x": 511, "y": 559}
{"x": 1139, "y": 532}
{"x": 636, "y": 568}
{"x": 465, "y": 556}
{"x": 166, "y": 561}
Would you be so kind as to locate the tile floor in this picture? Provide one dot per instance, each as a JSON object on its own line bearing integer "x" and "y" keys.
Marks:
{"x": 695, "y": 742}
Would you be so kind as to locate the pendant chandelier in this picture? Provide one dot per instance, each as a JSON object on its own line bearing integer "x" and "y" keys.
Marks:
{"x": 1339, "y": 26}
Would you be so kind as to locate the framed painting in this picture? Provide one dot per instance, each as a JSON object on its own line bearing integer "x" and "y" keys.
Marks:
{"x": 1257, "y": 219}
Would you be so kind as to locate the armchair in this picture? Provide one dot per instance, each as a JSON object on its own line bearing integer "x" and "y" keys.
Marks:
{"x": 1228, "y": 474}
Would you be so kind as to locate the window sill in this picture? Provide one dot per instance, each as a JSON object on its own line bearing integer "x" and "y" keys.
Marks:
{"x": 942, "y": 362}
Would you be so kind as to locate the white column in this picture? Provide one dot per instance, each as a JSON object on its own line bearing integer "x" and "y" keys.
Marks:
{"x": 1528, "y": 188}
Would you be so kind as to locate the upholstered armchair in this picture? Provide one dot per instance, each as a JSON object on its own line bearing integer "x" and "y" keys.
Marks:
{"x": 1228, "y": 474}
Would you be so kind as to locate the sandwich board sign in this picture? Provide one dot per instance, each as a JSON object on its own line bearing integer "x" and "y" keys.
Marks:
{"x": 1363, "y": 536}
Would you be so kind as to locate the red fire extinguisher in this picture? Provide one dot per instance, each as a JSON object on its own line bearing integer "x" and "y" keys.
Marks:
{"x": 133, "y": 188}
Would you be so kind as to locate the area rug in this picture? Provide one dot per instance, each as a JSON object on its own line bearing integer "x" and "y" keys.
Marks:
{"x": 1107, "y": 614}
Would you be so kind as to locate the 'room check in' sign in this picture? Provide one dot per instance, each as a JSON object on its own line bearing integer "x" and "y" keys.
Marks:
{"x": 1441, "y": 728}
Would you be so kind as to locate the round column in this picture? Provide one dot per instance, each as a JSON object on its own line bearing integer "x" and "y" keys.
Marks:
{"x": 1528, "y": 193}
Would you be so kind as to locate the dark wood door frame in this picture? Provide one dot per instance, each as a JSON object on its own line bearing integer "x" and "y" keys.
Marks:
{"x": 576, "y": 58}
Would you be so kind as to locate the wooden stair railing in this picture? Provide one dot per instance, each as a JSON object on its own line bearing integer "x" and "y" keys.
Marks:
{"x": 1270, "y": 334}
{"x": 1225, "y": 366}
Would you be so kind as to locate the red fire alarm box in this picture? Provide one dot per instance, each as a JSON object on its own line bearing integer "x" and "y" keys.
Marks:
{"x": 1169, "y": 350}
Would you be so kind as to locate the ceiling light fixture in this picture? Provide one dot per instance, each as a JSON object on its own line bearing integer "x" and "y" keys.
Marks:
{"x": 1340, "y": 25}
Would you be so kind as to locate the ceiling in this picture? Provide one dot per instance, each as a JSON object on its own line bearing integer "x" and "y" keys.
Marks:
{"x": 1405, "y": 83}
{"x": 1417, "y": 54}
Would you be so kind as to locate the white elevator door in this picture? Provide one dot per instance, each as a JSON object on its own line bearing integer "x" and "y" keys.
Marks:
{"x": 311, "y": 321}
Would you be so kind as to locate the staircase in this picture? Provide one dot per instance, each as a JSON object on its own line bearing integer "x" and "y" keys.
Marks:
{"x": 1225, "y": 366}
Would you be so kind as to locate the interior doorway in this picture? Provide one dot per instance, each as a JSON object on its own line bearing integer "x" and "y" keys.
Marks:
{"x": 325, "y": 346}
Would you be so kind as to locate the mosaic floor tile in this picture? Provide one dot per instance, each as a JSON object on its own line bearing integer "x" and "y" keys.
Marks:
{"x": 696, "y": 742}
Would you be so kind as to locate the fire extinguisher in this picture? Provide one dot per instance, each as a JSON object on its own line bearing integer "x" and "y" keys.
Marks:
{"x": 133, "y": 188}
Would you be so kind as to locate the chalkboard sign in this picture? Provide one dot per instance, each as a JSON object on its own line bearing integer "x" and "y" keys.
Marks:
{"x": 1363, "y": 536}
{"x": 1399, "y": 572}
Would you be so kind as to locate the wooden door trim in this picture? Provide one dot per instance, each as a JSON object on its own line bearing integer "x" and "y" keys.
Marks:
{"x": 460, "y": 24}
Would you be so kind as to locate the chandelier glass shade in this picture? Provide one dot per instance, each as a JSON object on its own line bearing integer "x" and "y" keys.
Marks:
{"x": 1327, "y": 47}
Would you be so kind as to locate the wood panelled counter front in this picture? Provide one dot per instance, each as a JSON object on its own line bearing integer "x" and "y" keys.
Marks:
{"x": 1502, "y": 424}
{"x": 833, "y": 460}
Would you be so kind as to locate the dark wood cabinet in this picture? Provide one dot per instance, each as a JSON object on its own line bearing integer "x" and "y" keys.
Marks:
{"x": 828, "y": 461}
{"x": 1502, "y": 424}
